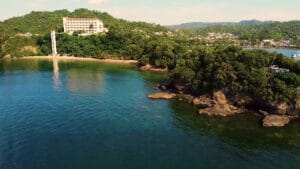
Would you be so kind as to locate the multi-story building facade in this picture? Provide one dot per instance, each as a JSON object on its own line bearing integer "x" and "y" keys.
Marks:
{"x": 85, "y": 25}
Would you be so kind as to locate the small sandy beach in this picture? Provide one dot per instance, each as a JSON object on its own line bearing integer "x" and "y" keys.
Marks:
{"x": 71, "y": 58}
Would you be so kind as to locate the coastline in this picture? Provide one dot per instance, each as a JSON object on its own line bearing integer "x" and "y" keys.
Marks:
{"x": 112, "y": 61}
{"x": 222, "y": 103}
{"x": 72, "y": 58}
{"x": 217, "y": 104}
{"x": 275, "y": 47}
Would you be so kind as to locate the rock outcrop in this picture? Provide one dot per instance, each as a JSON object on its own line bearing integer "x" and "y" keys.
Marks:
{"x": 241, "y": 100}
{"x": 162, "y": 95}
{"x": 185, "y": 97}
{"x": 180, "y": 88}
{"x": 220, "y": 110}
{"x": 203, "y": 102}
{"x": 162, "y": 87}
{"x": 297, "y": 106}
{"x": 7, "y": 56}
{"x": 276, "y": 121}
{"x": 220, "y": 106}
{"x": 148, "y": 67}
{"x": 282, "y": 108}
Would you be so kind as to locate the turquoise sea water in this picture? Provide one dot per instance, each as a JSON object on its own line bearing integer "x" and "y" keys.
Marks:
{"x": 75, "y": 115}
{"x": 285, "y": 51}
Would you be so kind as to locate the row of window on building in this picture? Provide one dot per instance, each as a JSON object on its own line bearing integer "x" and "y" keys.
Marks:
{"x": 86, "y": 25}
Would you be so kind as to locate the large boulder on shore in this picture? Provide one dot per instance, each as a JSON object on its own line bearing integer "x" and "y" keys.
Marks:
{"x": 220, "y": 98}
{"x": 220, "y": 110}
{"x": 162, "y": 95}
{"x": 282, "y": 108}
{"x": 162, "y": 87}
{"x": 179, "y": 87}
{"x": 185, "y": 97}
{"x": 220, "y": 107}
{"x": 241, "y": 99}
{"x": 148, "y": 67}
{"x": 8, "y": 56}
{"x": 276, "y": 121}
{"x": 203, "y": 102}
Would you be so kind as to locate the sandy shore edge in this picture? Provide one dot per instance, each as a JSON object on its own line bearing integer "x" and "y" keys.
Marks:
{"x": 71, "y": 58}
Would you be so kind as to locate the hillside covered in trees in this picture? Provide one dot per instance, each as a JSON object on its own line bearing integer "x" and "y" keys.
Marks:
{"x": 201, "y": 69}
{"x": 39, "y": 25}
{"x": 252, "y": 31}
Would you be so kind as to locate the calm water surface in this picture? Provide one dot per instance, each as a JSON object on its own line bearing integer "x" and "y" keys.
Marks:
{"x": 83, "y": 115}
{"x": 286, "y": 52}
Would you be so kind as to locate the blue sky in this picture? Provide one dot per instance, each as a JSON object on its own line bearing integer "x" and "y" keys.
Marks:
{"x": 166, "y": 11}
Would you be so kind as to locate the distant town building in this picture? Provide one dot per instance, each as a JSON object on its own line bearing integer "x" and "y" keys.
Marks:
{"x": 276, "y": 69}
{"x": 268, "y": 42}
{"x": 28, "y": 34}
{"x": 216, "y": 36}
{"x": 169, "y": 33}
{"x": 86, "y": 25}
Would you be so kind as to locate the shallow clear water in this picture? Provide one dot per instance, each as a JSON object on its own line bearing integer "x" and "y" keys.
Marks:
{"x": 95, "y": 115}
{"x": 286, "y": 52}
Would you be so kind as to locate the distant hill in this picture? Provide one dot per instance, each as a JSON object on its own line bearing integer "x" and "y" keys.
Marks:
{"x": 197, "y": 25}
{"x": 30, "y": 34}
{"x": 250, "y": 30}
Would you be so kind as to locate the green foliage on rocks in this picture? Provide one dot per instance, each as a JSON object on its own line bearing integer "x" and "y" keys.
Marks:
{"x": 239, "y": 70}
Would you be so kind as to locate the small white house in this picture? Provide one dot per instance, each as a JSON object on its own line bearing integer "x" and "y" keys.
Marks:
{"x": 276, "y": 69}
{"x": 269, "y": 41}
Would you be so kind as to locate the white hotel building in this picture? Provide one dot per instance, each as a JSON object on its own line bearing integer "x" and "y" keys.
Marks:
{"x": 87, "y": 25}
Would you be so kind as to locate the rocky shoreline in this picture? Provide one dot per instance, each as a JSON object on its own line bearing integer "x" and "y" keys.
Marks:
{"x": 72, "y": 58}
{"x": 151, "y": 68}
{"x": 220, "y": 103}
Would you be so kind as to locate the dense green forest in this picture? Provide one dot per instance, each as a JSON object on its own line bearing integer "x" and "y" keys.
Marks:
{"x": 42, "y": 22}
{"x": 191, "y": 63}
{"x": 206, "y": 69}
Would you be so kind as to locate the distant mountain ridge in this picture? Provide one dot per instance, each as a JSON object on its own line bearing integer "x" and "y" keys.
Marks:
{"x": 249, "y": 30}
{"x": 197, "y": 25}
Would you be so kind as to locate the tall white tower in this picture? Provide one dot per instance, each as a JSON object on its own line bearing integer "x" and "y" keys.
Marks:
{"x": 53, "y": 43}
